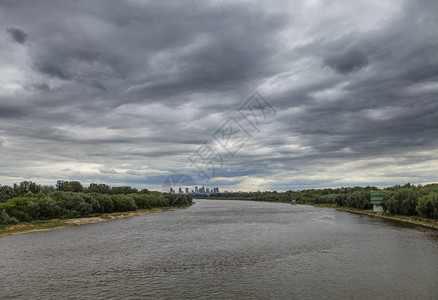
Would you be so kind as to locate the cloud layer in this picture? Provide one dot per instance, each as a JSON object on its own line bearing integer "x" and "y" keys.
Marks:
{"x": 125, "y": 92}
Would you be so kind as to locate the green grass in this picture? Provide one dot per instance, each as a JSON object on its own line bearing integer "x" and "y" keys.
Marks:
{"x": 31, "y": 226}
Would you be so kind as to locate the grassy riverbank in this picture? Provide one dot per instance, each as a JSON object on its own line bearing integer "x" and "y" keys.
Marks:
{"x": 431, "y": 223}
{"x": 416, "y": 204}
{"x": 44, "y": 225}
{"x": 407, "y": 219}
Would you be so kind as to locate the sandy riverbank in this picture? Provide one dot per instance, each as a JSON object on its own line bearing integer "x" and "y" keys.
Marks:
{"x": 61, "y": 223}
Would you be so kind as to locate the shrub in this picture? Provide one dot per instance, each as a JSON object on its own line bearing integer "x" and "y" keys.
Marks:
{"x": 95, "y": 205}
{"x": 12, "y": 221}
{"x": 105, "y": 202}
{"x": 49, "y": 209}
{"x": 4, "y": 217}
{"x": 83, "y": 208}
{"x": 123, "y": 203}
{"x": 143, "y": 201}
{"x": 359, "y": 199}
{"x": 340, "y": 199}
{"x": 20, "y": 215}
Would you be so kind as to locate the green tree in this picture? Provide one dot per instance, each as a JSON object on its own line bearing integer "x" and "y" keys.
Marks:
{"x": 99, "y": 188}
{"x": 6, "y": 192}
{"x": 49, "y": 209}
{"x": 123, "y": 203}
{"x": 69, "y": 186}
{"x": 428, "y": 206}
{"x": 25, "y": 187}
{"x": 125, "y": 190}
{"x": 4, "y": 217}
{"x": 403, "y": 201}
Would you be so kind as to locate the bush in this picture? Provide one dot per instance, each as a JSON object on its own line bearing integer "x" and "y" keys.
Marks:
{"x": 4, "y": 217}
{"x": 83, "y": 209}
{"x": 143, "y": 201}
{"x": 49, "y": 209}
{"x": 105, "y": 202}
{"x": 359, "y": 199}
{"x": 25, "y": 209}
{"x": 340, "y": 199}
{"x": 20, "y": 215}
{"x": 94, "y": 203}
{"x": 123, "y": 203}
{"x": 12, "y": 221}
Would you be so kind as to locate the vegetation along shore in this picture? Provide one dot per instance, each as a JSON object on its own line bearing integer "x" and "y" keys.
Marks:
{"x": 416, "y": 204}
{"x": 28, "y": 207}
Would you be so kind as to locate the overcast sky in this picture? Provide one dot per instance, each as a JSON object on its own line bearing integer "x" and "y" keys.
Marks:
{"x": 126, "y": 92}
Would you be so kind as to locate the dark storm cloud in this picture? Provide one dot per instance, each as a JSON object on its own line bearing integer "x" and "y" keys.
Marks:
{"x": 146, "y": 58}
{"x": 17, "y": 35}
{"x": 122, "y": 91}
{"x": 52, "y": 70}
{"x": 347, "y": 60}
{"x": 12, "y": 111}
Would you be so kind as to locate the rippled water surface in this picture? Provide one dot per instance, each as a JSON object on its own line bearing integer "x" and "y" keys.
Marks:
{"x": 225, "y": 249}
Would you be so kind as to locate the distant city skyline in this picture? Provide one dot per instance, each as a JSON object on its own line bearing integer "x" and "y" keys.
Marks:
{"x": 195, "y": 190}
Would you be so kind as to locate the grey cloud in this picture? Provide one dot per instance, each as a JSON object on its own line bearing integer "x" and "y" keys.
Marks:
{"x": 52, "y": 70}
{"x": 44, "y": 87}
{"x": 145, "y": 84}
{"x": 17, "y": 35}
{"x": 350, "y": 59}
{"x": 11, "y": 110}
{"x": 98, "y": 85}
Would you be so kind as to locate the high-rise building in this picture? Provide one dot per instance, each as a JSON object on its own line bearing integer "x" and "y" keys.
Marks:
{"x": 207, "y": 191}
{"x": 172, "y": 191}
{"x": 180, "y": 191}
{"x": 196, "y": 189}
{"x": 187, "y": 190}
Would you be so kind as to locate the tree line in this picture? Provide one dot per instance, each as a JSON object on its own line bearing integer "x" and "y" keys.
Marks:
{"x": 28, "y": 201}
{"x": 408, "y": 199}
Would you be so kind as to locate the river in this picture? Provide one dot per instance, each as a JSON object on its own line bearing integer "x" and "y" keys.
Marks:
{"x": 225, "y": 249}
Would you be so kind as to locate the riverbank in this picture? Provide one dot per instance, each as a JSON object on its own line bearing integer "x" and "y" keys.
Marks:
{"x": 430, "y": 223}
{"x": 407, "y": 219}
{"x": 44, "y": 225}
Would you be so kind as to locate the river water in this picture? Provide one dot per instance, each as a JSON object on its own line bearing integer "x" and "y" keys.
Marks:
{"x": 225, "y": 249}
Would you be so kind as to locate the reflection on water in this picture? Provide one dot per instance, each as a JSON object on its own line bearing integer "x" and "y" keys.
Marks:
{"x": 225, "y": 249}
